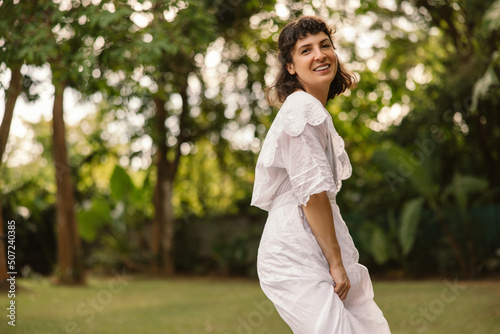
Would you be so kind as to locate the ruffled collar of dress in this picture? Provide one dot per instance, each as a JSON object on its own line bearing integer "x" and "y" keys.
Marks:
{"x": 299, "y": 109}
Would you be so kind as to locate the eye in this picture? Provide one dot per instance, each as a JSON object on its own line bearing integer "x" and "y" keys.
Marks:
{"x": 326, "y": 46}
{"x": 305, "y": 51}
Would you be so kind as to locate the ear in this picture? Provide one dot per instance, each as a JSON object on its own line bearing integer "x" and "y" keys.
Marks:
{"x": 290, "y": 68}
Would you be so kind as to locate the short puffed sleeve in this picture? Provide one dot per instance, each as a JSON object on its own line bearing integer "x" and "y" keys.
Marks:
{"x": 305, "y": 159}
{"x": 297, "y": 152}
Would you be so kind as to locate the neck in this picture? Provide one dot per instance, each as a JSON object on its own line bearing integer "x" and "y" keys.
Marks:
{"x": 320, "y": 93}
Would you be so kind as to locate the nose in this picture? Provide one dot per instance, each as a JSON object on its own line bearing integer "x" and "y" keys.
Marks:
{"x": 319, "y": 54}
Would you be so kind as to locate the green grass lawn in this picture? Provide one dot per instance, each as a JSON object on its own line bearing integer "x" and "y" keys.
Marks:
{"x": 126, "y": 304}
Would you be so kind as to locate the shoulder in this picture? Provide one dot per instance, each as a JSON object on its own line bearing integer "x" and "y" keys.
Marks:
{"x": 300, "y": 109}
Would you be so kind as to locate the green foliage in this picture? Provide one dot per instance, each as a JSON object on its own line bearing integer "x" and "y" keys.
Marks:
{"x": 28, "y": 194}
{"x": 121, "y": 184}
{"x": 401, "y": 166}
{"x": 395, "y": 241}
{"x": 379, "y": 245}
{"x": 482, "y": 86}
{"x": 491, "y": 17}
{"x": 115, "y": 219}
{"x": 461, "y": 187}
{"x": 410, "y": 217}
{"x": 92, "y": 220}
{"x": 218, "y": 183}
{"x": 232, "y": 257}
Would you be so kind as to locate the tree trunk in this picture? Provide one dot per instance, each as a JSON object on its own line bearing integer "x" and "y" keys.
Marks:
{"x": 69, "y": 260}
{"x": 10, "y": 102}
{"x": 167, "y": 242}
{"x": 162, "y": 238}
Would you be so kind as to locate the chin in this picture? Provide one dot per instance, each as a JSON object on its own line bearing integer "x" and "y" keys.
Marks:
{"x": 327, "y": 82}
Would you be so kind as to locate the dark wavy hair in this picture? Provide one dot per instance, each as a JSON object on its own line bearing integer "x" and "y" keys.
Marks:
{"x": 286, "y": 83}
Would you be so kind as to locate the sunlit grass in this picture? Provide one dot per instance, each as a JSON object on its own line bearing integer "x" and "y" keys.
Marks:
{"x": 126, "y": 304}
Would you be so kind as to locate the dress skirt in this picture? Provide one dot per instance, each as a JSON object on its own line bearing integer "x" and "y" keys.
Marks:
{"x": 295, "y": 276}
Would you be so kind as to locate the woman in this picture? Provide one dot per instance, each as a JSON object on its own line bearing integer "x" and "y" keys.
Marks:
{"x": 307, "y": 262}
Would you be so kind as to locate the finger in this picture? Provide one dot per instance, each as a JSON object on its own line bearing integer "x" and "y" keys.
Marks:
{"x": 346, "y": 292}
{"x": 343, "y": 295}
{"x": 341, "y": 291}
{"x": 342, "y": 287}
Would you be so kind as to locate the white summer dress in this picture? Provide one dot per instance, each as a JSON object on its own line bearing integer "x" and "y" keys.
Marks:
{"x": 303, "y": 155}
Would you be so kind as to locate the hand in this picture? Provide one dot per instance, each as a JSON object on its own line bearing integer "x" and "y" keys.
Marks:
{"x": 342, "y": 283}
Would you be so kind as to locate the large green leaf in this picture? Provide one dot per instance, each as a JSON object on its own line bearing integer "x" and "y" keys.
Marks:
{"x": 410, "y": 218}
{"x": 461, "y": 187}
{"x": 101, "y": 208}
{"x": 121, "y": 184}
{"x": 379, "y": 246}
{"x": 482, "y": 85}
{"x": 87, "y": 227}
{"x": 89, "y": 222}
{"x": 142, "y": 193}
{"x": 400, "y": 165}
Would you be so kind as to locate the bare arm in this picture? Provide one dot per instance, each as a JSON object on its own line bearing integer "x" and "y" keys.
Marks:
{"x": 319, "y": 215}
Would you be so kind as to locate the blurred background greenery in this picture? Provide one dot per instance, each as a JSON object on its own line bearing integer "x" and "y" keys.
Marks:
{"x": 151, "y": 167}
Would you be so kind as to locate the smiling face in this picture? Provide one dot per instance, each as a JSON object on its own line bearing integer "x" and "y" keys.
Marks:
{"x": 314, "y": 62}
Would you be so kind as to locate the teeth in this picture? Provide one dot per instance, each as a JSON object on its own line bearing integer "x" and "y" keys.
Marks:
{"x": 322, "y": 68}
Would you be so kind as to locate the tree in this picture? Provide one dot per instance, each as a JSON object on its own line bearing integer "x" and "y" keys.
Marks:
{"x": 168, "y": 67}
{"x": 59, "y": 34}
{"x": 78, "y": 38}
{"x": 64, "y": 65}
{"x": 165, "y": 61}
{"x": 16, "y": 49}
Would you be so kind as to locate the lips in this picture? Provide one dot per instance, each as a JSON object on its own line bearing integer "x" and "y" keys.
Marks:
{"x": 322, "y": 67}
